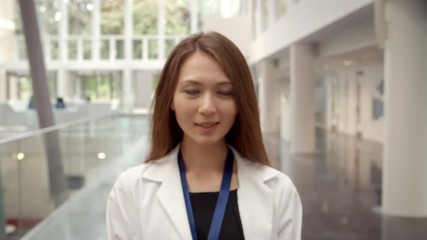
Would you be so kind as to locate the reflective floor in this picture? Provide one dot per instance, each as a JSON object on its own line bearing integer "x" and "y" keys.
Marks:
{"x": 340, "y": 188}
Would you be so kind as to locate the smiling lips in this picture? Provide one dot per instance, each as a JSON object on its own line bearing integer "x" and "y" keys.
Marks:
{"x": 207, "y": 126}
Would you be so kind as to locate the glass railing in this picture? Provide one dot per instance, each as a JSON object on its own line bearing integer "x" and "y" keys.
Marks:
{"x": 41, "y": 172}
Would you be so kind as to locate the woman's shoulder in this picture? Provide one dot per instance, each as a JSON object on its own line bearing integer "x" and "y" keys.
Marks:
{"x": 270, "y": 175}
{"x": 134, "y": 174}
{"x": 131, "y": 175}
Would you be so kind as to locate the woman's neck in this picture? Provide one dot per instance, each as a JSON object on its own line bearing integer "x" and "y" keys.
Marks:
{"x": 204, "y": 158}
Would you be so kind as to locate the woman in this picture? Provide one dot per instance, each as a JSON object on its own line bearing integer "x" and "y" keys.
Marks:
{"x": 207, "y": 175}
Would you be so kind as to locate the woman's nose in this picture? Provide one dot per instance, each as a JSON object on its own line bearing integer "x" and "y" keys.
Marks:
{"x": 207, "y": 106}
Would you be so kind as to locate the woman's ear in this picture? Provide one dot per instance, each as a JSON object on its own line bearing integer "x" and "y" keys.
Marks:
{"x": 172, "y": 107}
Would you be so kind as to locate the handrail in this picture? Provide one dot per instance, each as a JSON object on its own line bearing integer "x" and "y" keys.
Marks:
{"x": 50, "y": 129}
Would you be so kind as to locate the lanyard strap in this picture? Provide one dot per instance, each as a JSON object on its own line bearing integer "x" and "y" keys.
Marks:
{"x": 221, "y": 202}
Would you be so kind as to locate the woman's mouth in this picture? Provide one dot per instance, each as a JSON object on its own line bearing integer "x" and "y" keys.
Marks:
{"x": 207, "y": 126}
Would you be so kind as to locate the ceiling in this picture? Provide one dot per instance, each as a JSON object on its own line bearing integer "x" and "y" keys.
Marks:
{"x": 363, "y": 55}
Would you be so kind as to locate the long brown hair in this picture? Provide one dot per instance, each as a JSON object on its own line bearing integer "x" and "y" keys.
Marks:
{"x": 245, "y": 134}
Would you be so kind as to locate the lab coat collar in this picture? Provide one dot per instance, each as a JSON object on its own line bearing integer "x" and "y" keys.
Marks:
{"x": 255, "y": 198}
{"x": 166, "y": 172}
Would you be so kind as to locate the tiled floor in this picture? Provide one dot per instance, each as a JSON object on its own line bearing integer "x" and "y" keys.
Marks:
{"x": 340, "y": 187}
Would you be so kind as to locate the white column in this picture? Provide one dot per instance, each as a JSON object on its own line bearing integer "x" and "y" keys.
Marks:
{"x": 302, "y": 99}
{"x": 127, "y": 93}
{"x": 63, "y": 50}
{"x": 194, "y": 24}
{"x": 61, "y": 86}
{"x": 143, "y": 89}
{"x": 13, "y": 88}
{"x": 331, "y": 100}
{"x": 96, "y": 29}
{"x": 405, "y": 151}
{"x": 258, "y": 16}
{"x": 244, "y": 8}
{"x": 7, "y": 33}
{"x": 161, "y": 21}
{"x": 128, "y": 29}
{"x": 269, "y": 98}
{"x": 250, "y": 13}
{"x": 3, "y": 86}
{"x": 272, "y": 10}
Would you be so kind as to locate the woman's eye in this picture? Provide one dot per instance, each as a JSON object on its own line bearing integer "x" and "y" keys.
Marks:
{"x": 226, "y": 93}
{"x": 191, "y": 91}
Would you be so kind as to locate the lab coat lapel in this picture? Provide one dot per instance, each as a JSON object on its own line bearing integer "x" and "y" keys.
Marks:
{"x": 255, "y": 199}
{"x": 170, "y": 192}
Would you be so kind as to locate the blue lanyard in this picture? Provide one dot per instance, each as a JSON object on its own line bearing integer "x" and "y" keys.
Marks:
{"x": 221, "y": 203}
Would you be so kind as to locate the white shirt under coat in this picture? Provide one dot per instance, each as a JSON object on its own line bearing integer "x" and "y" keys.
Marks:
{"x": 147, "y": 202}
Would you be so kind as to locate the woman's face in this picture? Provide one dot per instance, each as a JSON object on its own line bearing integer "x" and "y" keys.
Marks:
{"x": 203, "y": 101}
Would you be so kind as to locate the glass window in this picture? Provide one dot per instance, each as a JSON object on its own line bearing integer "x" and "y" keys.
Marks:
{"x": 282, "y": 8}
{"x": 49, "y": 16}
{"x": 207, "y": 8}
{"x": 229, "y": 8}
{"x": 178, "y": 15}
{"x": 112, "y": 17}
{"x": 145, "y": 14}
{"x": 96, "y": 86}
{"x": 79, "y": 17}
{"x": 21, "y": 85}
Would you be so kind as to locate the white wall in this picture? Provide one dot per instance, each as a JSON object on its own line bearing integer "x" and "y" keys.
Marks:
{"x": 6, "y": 29}
{"x": 285, "y": 118}
{"x": 237, "y": 29}
{"x": 301, "y": 20}
{"x": 6, "y": 44}
{"x": 351, "y": 39}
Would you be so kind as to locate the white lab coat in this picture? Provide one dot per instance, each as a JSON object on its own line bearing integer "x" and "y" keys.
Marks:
{"x": 147, "y": 202}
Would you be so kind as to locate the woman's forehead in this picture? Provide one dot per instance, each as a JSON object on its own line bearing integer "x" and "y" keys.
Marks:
{"x": 201, "y": 67}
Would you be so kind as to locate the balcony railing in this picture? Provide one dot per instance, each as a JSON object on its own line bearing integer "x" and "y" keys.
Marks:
{"x": 81, "y": 48}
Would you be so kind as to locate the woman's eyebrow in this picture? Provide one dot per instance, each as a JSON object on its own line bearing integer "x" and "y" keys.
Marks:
{"x": 224, "y": 83}
{"x": 191, "y": 81}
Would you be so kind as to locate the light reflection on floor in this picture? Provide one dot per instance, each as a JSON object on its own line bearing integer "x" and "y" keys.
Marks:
{"x": 340, "y": 187}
